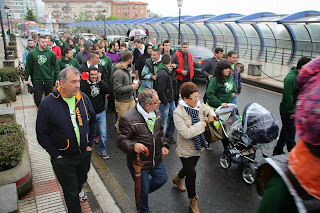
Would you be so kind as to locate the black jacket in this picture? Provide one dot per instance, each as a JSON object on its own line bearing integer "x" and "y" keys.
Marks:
{"x": 174, "y": 60}
{"x": 141, "y": 61}
{"x": 163, "y": 85}
{"x": 133, "y": 129}
{"x": 96, "y": 93}
{"x": 105, "y": 76}
{"x": 54, "y": 127}
{"x": 209, "y": 67}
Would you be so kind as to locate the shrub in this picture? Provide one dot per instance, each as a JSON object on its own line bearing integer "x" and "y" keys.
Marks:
{"x": 12, "y": 47}
{"x": 13, "y": 43}
{"x": 12, "y": 143}
{"x": 13, "y": 36}
{"x": 9, "y": 74}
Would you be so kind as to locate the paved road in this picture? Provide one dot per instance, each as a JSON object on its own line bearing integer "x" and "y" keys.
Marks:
{"x": 219, "y": 190}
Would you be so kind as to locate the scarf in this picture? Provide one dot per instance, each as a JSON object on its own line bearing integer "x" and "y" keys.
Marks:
{"x": 150, "y": 117}
{"x": 199, "y": 140}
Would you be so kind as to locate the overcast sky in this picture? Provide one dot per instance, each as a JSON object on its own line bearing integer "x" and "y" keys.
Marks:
{"x": 245, "y": 7}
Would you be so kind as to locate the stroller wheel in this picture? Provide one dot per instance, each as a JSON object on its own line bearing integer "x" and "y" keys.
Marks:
{"x": 225, "y": 161}
{"x": 248, "y": 175}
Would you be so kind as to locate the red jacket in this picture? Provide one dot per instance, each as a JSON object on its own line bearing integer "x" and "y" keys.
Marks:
{"x": 181, "y": 66}
{"x": 57, "y": 51}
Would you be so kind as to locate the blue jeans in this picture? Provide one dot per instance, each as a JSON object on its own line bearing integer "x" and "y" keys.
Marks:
{"x": 102, "y": 128}
{"x": 287, "y": 134}
{"x": 158, "y": 177}
{"x": 167, "y": 112}
{"x": 235, "y": 100}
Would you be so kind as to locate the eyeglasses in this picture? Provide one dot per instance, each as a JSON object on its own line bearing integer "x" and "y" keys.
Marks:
{"x": 195, "y": 98}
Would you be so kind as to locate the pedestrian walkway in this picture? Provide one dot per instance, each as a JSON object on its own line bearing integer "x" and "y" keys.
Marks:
{"x": 46, "y": 195}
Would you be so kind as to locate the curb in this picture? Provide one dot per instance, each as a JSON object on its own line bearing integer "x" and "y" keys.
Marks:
{"x": 262, "y": 85}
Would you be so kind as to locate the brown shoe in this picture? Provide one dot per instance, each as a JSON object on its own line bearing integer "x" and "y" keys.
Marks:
{"x": 178, "y": 181}
{"x": 194, "y": 204}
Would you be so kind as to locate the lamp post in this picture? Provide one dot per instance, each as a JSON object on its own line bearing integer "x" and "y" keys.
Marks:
{"x": 6, "y": 8}
{"x": 76, "y": 23}
{"x": 104, "y": 21}
{"x": 9, "y": 24}
{"x": 6, "y": 55}
{"x": 179, "y": 5}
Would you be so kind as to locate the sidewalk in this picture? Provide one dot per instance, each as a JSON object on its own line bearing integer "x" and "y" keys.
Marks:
{"x": 46, "y": 194}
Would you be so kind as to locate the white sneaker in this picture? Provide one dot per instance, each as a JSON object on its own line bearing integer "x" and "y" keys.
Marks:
{"x": 82, "y": 196}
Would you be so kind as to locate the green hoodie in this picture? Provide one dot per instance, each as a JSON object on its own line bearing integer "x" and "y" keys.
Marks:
{"x": 106, "y": 62}
{"x": 41, "y": 65}
{"x": 63, "y": 63}
{"x": 290, "y": 92}
{"x": 220, "y": 93}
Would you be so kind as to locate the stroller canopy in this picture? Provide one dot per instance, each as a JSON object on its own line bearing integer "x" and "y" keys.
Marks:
{"x": 259, "y": 125}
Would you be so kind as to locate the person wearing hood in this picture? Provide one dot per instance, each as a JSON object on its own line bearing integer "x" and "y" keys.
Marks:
{"x": 287, "y": 109}
{"x": 141, "y": 61}
{"x": 175, "y": 65}
{"x": 67, "y": 60}
{"x": 291, "y": 182}
{"x": 185, "y": 70}
{"x": 96, "y": 90}
{"x": 83, "y": 55}
{"x": 150, "y": 69}
{"x": 40, "y": 63}
{"x": 113, "y": 52}
{"x": 27, "y": 50}
{"x": 52, "y": 46}
{"x": 163, "y": 85}
{"x": 123, "y": 87}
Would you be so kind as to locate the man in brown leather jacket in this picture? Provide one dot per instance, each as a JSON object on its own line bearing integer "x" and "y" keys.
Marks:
{"x": 140, "y": 128}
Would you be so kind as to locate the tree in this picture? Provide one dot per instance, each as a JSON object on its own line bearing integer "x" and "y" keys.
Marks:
{"x": 30, "y": 16}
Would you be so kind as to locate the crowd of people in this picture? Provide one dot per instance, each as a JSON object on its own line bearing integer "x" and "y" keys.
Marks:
{"x": 152, "y": 93}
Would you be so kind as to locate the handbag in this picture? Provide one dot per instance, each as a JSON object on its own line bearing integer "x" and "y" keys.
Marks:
{"x": 211, "y": 133}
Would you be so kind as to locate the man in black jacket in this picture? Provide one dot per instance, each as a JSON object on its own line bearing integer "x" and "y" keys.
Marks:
{"x": 94, "y": 62}
{"x": 164, "y": 87}
{"x": 211, "y": 64}
{"x": 65, "y": 126}
{"x": 96, "y": 90}
{"x": 174, "y": 64}
{"x": 140, "y": 129}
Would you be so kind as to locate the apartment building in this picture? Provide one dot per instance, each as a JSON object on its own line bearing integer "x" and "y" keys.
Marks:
{"x": 65, "y": 11}
{"x": 130, "y": 9}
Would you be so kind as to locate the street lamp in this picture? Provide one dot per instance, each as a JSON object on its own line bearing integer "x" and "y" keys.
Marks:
{"x": 6, "y": 55}
{"x": 76, "y": 23}
{"x": 6, "y": 8}
{"x": 10, "y": 23}
{"x": 104, "y": 21}
{"x": 179, "y": 5}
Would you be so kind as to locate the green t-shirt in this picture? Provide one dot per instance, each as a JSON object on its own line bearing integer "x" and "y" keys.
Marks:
{"x": 72, "y": 107}
{"x": 232, "y": 66}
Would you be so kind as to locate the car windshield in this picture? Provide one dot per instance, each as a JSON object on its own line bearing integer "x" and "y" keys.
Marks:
{"x": 200, "y": 52}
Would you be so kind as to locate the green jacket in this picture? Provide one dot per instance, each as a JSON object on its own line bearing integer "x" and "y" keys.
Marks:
{"x": 63, "y": 63}
{"x": 290, "y": 92}
{"x": 43, "y": 65}
{"x": 220, "y": 93}
{"x": 106, "y": 62}
{"x": 75, "y": 51}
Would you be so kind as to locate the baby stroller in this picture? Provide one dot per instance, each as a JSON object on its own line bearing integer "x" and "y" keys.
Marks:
{"x": 244, "y": 136}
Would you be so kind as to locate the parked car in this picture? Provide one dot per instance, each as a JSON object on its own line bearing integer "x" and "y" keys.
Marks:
{"x": 87, "y": 35}
{"x": 115, "y": 38}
